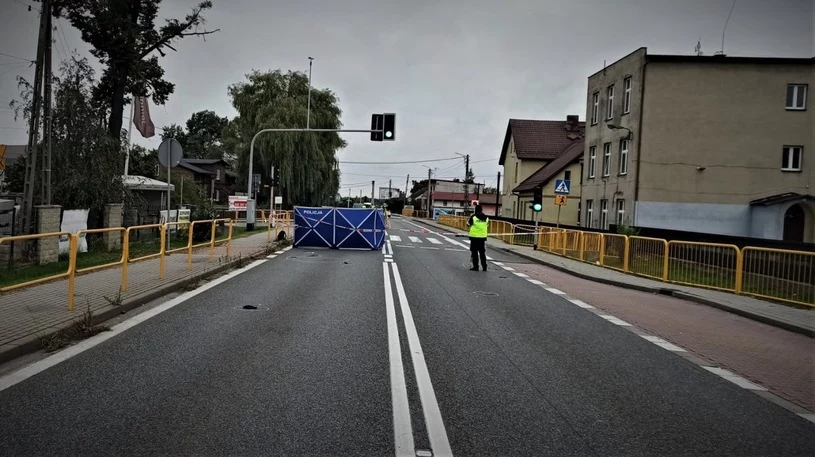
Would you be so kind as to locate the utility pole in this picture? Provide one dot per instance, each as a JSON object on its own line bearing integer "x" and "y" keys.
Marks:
{"x": 46, "y": 178}
{"x": 429, "y": 193}
{"x": 498, "y": 196}
{"x": 390, "y": 183}
{"x": 33, "y": 130}
{"x": 373, "y": 183}
{"x": 407, "y": 180}
{"x": 308, "y": 112}
{"x": 349, "y": 197}
{"x": 466, "y": 184}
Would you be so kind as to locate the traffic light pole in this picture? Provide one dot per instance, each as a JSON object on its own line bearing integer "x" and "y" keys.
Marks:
{"x": 250, "y": 204}
{"x": 535, "y": 238}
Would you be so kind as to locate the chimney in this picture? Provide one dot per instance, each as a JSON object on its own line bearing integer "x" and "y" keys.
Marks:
{"x": 572, "y": 123}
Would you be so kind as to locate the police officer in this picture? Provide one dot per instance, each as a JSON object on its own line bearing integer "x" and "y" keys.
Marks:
{"x": 478, "y": 224}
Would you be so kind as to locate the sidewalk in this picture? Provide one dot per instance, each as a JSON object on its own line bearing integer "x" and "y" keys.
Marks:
{"x": 31, "y": 313}
{"x": 786, "y": 317}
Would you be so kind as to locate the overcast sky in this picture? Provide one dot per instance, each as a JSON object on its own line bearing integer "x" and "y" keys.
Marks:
{"x": 454, "y": 71}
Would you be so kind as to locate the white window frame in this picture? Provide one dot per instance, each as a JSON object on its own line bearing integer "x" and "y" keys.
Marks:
{"x": 217, "y": 174}
{"x": 589, "y": 211}
{"x": 624, "y": 157}
{"x": 595, "y": 110}
{"x": 610, "y": 106}
{"x": 217, "y": 195}
{"x": 606, "y": 159}
{"x": 603, "y": 214}
{"x": 788, "y": 155}
{"x": 795, "y": 89}
{"x": 627, "y": 95}
{"x": 592, "y": 160}
{"x": 620, "y": 212}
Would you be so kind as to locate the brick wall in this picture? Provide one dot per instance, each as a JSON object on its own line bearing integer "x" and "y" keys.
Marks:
{"x": 112, "y": 218}
{"x": 48, "y": 220}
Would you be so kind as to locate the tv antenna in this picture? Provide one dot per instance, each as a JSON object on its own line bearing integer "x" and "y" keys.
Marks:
{"x": 698, "y": 48}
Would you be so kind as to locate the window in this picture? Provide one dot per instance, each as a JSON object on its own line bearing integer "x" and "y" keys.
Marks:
{"x": 592, "y": 160}
{"x": 606, "y": 158}
{"x": 567, "y": 175}
{"x": 595, "y": 107}
{"x": 791, "y": 158}
{"x": 218, "y": 174}
{"x": 589, "y": 210}
{"x": 627, "y": 95}
{"x": 603, "y": 213}
{"x": 620, "y": 212}
{"x": 623, "y": 157}
{"x": 217, "y": 195}
{"x": 610, "y": 107}
{"x": 796, "y": 96}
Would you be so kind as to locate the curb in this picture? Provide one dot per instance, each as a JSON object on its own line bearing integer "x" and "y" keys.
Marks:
{"x": 763, "y": 318}
{"x": 33, "y": 343}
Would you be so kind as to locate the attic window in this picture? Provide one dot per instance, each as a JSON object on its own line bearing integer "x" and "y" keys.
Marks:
{"x": 572, "y": 136}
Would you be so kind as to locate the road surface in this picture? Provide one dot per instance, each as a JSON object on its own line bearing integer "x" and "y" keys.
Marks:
{"x": 371, "y": 353}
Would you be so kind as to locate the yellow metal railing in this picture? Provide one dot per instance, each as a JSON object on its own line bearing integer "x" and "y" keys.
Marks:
{"x": 776, "y": 274}
{"x": 185, "y": 229}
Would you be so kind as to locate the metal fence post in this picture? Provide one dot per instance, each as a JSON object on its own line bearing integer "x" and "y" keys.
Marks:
{"x": 162, "y": 254}
{"x": 739, "y": 271}
{"x": 212, "y": 242}
{"x": 73, "y": 248}
{"x": 125, "y": 258}
{"x": 665, "y": 261}
{"x": 626, "y": 252}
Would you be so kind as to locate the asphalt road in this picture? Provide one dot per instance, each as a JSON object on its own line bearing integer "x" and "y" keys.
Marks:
{"x": 360, "y": 353}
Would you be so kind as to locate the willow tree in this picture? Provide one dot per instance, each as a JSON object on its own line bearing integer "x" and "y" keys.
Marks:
{"x": 306, "y": 161}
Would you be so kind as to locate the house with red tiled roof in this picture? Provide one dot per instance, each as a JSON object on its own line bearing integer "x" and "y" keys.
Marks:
{"x": 539, "y": 152}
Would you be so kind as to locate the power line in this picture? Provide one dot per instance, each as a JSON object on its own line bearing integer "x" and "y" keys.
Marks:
{"x": 16, "y": 57}
{"x": 399, "y": 163}
{"x": 485, "y": 160}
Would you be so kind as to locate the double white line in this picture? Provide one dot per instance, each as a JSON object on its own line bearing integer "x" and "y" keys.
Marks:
{"x": 402, "y": 428}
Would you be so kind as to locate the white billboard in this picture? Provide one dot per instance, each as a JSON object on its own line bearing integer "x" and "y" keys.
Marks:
{"x": 383, "y": 193}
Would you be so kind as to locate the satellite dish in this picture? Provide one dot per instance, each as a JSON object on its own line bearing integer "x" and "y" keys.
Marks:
{"x": 170, "y": 153}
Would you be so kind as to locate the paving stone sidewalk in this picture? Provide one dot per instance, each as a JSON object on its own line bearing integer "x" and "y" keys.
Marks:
{"x": 32, "y": 312}
{"x": 788, "y": 317}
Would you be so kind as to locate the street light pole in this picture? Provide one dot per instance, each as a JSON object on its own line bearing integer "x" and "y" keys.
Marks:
{"x": 308, "y": 112}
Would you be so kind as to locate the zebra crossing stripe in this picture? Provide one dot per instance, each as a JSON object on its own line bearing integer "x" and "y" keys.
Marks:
{"x": 434, "y": 241}
{"x": 396, "y": 238}
{"x": 415, "y": 239}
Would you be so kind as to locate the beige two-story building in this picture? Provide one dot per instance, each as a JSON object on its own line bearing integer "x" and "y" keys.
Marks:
{"x": 530, "y": 146}
{"x": 711, "y": 144}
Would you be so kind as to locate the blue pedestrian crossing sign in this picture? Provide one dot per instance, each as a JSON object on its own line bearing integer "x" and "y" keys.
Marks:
{"x": 562, "y": 186}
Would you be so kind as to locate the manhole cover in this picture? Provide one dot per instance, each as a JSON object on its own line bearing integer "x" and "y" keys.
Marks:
{"x": 485, "y": 294}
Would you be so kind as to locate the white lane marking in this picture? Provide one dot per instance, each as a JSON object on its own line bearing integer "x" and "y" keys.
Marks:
{"x": 449, "y": 240}
{"x": 615, "y": 320}
{"x": 582, "y": 304}
{"x": 489, "y": 258}
{"x": 404, "y": 246}
{"x": 500, "y": 264}
{"x": 432, "y": 415}
{"x": 402, "y": 429}
{"x": 555, "y": 291}
{"x": 455, "y": 250}
{"x": 71, "y": 351}
{"x": 663, "y": 344}
{"x": 508, "y": 268}
{"x": 414, "y": 239}
{"x": 388, "y": 256}
{"x": 271, "y": 256}
{"x": 520, "y": 275}
{"x": 536, "y": 282}
{"x": 434, "y": 241}
{"x": 734, "y": 378}
{"x": 287, "y": 248}
{"x": 390, "y": 246}
{"x": 452, "y": 241}
{"x": 396, "y": 238}
{"x": 428, "y": 247}
{"x": 389, "y": 260}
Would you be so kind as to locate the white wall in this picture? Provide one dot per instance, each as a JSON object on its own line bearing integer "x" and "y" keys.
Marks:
{"x": 694, "y": 217}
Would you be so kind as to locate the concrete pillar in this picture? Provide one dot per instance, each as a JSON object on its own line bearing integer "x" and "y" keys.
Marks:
{"x": 48, "y": 220}
{"x": 112, "y": 218}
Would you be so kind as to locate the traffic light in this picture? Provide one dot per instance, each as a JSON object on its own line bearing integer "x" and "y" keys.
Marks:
{"x": 376, "y": 124}
{"x": 389, "y": 126}
{"x": 537, "y": 199}
{"x": 275, "y": 176}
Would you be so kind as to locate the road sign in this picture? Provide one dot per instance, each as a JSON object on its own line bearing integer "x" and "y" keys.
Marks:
{"x": 560, "y": 200}
{"x": 170, "y": 153}
{"x": 562, "y": 186}
{"x": 237, "y": 202}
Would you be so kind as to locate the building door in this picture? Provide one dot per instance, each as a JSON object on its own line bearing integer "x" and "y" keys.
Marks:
{"x": 794, "y": 224}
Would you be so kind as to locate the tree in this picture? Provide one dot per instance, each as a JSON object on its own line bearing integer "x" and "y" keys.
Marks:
{"x": 470, "y": 176}
{"x": 307, "y": 163}
{"x": 202, "y": 139}
{"x": 80, "y": 143}
{"x": 124, "y": 39}
{"x": 143, "y": 162}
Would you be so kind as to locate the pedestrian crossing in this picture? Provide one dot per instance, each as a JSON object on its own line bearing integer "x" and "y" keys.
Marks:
{"x": 430, "y": 241}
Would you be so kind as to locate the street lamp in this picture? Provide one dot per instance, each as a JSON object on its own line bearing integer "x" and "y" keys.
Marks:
{"x": 620, "y": 127}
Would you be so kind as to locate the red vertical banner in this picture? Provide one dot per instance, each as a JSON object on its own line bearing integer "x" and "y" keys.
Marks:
{"x": 141, "y": 117}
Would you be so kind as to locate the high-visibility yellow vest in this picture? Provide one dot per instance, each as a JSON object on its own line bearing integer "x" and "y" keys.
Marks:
{"x": 480, "y": 228}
